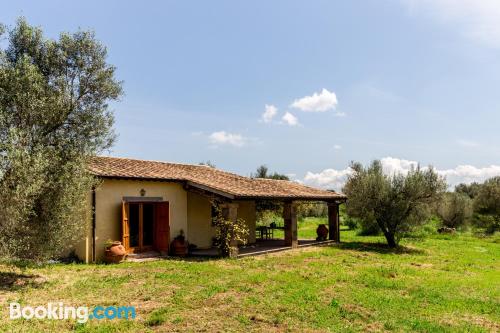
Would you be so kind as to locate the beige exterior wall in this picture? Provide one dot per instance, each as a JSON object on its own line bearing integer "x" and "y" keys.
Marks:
{"x": 109, "y": 196}
{"x": 189, "y": 211}
{"x": 246, "y": 211}
{"x": 200, "y": 219}
{"x": 199, "y": 216}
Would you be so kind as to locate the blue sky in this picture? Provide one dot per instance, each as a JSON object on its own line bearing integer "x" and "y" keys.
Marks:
{"x": 402, "y": 80}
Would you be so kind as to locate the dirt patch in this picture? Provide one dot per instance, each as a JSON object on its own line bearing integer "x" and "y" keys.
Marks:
{"x": 375, "y": 327}
{"x": 421, "y": 265}
{"x": 361, "y": 311}
{"x": 458, "y": 320}
{"x": 14, "y": 281}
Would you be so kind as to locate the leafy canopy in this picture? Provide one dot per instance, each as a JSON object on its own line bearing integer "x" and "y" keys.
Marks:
{"x": 54, "y": 115}
{"x": 395, "y": 203}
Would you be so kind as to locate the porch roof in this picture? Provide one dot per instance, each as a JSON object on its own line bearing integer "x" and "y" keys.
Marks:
{"x": 208, "y": 179}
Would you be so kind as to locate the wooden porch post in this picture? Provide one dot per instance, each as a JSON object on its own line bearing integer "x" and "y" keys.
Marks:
{"x": 230, "y": 210}
{"x": 290, "y": 218}
{"x": 333, "y": 221}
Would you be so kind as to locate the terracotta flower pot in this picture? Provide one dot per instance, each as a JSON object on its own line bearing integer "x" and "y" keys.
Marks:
{"x": 179, "y": 247}
{"x": 115, "y": 253}
{"x": 322, "y": 232}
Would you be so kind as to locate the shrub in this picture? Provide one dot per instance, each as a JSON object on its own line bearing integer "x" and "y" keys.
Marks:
{"x": 487, "y": 200}
{"x": 351, "y": 222}
{"x": 227, "y": 231}
{"x": 454, "y": 209}
{"x": 312, "y": 209}
{"x": 490, "y": 223}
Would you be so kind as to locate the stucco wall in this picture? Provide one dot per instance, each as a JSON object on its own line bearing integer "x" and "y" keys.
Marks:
{"x": 109, "y": 196}
{"x": 200, "y": 230}
{"x": 199, "y": 217}
{"x": 246, "y": 211}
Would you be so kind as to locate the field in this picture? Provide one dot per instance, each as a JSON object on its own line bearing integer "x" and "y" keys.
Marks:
{"x": 439, "y": 283}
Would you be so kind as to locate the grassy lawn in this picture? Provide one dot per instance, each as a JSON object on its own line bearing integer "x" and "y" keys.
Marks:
{"x": 441, "y": 283}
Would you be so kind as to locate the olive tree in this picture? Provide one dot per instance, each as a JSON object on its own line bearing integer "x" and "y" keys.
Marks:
{"x": 54, "y": 116}
{"x": 487, "y": 205}
{"x": 487, "y": 200}
{"x": 454, "y": 209}
{"x": 396, "y": 203}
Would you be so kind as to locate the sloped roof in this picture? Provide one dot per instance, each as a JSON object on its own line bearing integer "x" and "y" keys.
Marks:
{"x": 209, "y": 179}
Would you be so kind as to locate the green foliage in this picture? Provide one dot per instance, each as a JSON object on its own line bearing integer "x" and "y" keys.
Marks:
{"x": 396, "y": 203}
{"x": 471, "y": 190}
{"x": 263, "y": 172}
{"x": 158, "y": 317}
{"x": 311, "y": 209}
{"x": 266, "y": 217}
{"x": 351, "y": 222}
{"x": 489, "y": 222}
{"x": 486, "y": 204}
{"x": 208, "y": 164}
{"x": 368, "y": 227}
{"x": 454, "y": 209}
{"x": 487, "y": 200}
{"x": 228, "y": 233}
{"x": 54, "y": 115}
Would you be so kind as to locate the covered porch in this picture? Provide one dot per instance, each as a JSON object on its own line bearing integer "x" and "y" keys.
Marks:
{"x": 286, "y": 235}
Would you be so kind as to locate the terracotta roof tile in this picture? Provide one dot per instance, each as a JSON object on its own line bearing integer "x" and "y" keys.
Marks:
{"x": 208, "y": 178}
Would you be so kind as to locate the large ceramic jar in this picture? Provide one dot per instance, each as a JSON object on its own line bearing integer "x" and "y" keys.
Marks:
{"x": 115, "y": 253}
{"x": 322, "y": 232}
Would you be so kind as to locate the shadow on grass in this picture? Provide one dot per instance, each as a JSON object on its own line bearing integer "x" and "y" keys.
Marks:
{"x": 11, "y": 281}
{"x": 378, "y": 248}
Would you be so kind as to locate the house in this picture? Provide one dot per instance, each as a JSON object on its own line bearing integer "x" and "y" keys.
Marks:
{"x": 146, "y": 204}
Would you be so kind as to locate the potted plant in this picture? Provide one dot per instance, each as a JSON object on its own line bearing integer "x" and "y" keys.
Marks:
{"x": 114, "y": 252}
{"x": 179, "y": 245}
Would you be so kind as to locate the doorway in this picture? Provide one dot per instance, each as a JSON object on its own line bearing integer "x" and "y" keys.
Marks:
{"x": 141, "y": 220}
{"x": 145, "y": 226}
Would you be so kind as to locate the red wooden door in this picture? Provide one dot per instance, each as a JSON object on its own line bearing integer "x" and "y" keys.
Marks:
{"x": 162, "y": 227}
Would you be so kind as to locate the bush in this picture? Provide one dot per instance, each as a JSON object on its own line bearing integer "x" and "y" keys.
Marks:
{"x": 312, "y": 209}
{"x": 227, "y": 231}
{"x": 351, "y": 222}
{"x": 266, "y": 217}
{"x": 490, "y": 223}
{"x": 368, "y": 227}
{"x": 487, "y": 200}
{"x": 454, "y": 209}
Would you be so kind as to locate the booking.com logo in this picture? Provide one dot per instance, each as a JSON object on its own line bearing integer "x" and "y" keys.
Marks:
{"x": 59, "y": 311}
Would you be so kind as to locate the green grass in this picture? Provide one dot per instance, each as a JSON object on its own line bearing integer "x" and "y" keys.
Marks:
{"x": 435, "y": 284}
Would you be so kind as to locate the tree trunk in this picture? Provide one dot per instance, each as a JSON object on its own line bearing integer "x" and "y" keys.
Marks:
{"x": 391, "y": 241}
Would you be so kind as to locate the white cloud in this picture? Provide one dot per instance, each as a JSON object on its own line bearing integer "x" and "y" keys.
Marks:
{"x": 224, "y": 138}
{"x": 340, "y": 114}
{"x": 468, "y": 174}
{"x": 290, "y": 119}
{"x": 392, "y": 165}
{"x": 321, "y": 102}
{"x": 478, "y": 20}
{"x": 269, "y": 113}
{"x": 328, "y": 178}
{"x": 337, "y": 147}
{"x": 335, "y": 179}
